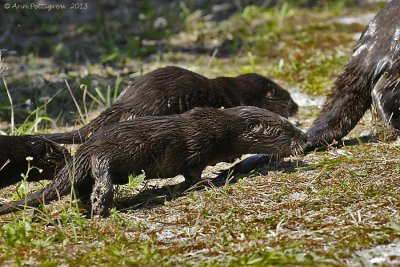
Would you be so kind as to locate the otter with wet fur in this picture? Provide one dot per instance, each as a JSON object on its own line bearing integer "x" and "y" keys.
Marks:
{"x": 173, "y": 90}
{"x": 375, "y": 53}
{"x": 165, "y": 146}
{"x": 46, "y": 155}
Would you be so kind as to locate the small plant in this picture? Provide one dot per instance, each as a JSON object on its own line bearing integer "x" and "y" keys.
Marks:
{"x": 110, "y": 96}
{"x": 22, "y": 188}
{"x": 76, "y": 102}
{"x": 17, "y": 233}
{"x": 34, "y": 119}
{"x": 135, "y": 181}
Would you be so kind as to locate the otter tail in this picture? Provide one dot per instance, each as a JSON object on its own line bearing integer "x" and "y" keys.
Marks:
{"x": 75, "y": 137}
{"x": 111, "y": 115}
{"x": 60, "y": 186}
{"x": 78, "y": 136}
{"x": 345, "y": 105}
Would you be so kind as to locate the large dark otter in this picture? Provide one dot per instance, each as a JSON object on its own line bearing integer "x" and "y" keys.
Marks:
{"x": 165, "y": 146}
{"x": 46, "y": 155}
{"x": 350, "y": 97}
{"x": 173, "y": 90}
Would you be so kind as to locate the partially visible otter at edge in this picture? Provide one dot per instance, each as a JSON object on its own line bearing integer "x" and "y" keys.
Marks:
{"x": 351, "y": 96}
{"x": 165, "y": 146}
{"x": 386, "y": 96}
{"x": 44, "y": 154}
{"x": 173, "y": 90}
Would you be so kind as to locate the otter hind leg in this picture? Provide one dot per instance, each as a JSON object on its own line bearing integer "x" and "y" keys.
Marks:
{"x": 102, "y": 194}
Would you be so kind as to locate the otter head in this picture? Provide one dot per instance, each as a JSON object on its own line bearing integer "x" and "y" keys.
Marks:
{"x": 268, "y": 95}
{"x": 268, "y": 133}
{"x": 50, "y": 157}
{"x": 38, "y": 153}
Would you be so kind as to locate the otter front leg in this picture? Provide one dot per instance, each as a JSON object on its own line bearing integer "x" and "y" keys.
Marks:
{"x": 102, "y": 194}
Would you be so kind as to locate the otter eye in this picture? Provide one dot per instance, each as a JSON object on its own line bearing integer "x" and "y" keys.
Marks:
{"x": 278, "y": 131}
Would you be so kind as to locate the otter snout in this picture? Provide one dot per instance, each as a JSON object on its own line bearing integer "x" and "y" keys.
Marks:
{"x": 289, "y": 139}
{"x": 293, "y": 108}
{"x": 295, "y": 139}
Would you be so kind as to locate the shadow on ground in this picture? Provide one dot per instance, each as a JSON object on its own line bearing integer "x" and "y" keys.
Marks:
{"x": 250, "y": 167}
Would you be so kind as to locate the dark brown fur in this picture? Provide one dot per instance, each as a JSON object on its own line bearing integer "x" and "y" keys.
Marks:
{"x": 173, "y": 90}
{"x": 386, "y": 96}
{"x": 47, "y": 156}
{"x": 166, "y": 146}
{"x": 350, "y": 97}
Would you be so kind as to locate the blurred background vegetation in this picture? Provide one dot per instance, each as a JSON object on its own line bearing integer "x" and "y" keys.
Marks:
{"x": 98, "y": 49}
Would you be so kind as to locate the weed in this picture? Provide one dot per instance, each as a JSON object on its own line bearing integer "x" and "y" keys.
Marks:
{"x": 12, "y": 107}
{"x": 135, "y": 181}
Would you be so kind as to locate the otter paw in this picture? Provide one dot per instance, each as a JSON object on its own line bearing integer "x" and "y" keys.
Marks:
{"x": 101, "y": 200}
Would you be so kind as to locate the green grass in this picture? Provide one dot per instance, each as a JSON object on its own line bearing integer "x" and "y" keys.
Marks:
{"x": 318, "y": 213}
{"x": 302, "y": 47}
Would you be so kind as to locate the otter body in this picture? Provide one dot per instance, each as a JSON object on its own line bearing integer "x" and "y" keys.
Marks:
{"x": 173, "y": 90}
{"x": 166, "y": 146}
{"x": 351, "y": 95}
{"x": 14, "y": 150}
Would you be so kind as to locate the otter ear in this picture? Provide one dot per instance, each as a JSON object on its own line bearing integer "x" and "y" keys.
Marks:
{"x": 49, "y": 149}
{"x": 269, "y": 94}
{"x": 386, "y": 96}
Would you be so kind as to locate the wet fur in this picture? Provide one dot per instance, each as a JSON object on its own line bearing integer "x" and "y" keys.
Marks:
{"x": 350, "y": 97}
{"x": 386, "y": 97}
{"x": 173, "y": 90}
{"x": 165, "y": 146}
{"x": 47, "y": 156}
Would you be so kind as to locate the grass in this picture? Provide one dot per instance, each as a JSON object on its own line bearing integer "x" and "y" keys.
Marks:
{"x": 319, "y": 211}
{"x": 310, "y": 217}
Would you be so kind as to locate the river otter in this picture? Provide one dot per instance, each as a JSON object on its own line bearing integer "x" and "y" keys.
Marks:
{"x": 386, "y": 96}
{"x": 165, "y": 146}
{"x": 173, "y": 90}
{"x": 350, "y": 97}
{"x": 14, "y": 150}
